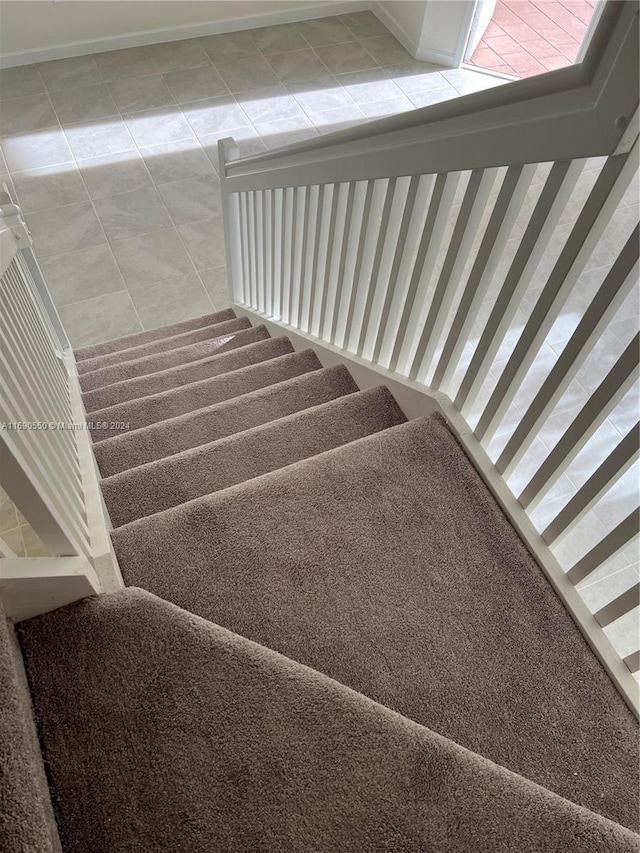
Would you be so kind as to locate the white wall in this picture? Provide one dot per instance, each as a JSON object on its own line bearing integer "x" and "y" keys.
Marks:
{"x": 37, "y": 30}
{"x": 443, "y": 23}
{"x": 405, "y": 19}
{"x": 40, "y": 30}
{"x": 433, "y": 30}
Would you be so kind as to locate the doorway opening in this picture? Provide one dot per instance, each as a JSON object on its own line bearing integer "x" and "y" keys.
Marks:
{"x": 523, "y": 38}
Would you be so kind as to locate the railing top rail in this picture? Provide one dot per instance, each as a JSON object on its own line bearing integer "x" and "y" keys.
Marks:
{"x": 580, "y": 111}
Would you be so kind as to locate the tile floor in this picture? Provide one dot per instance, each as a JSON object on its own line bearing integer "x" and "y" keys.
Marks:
{"x": 529, "y": 37}
{"x": 113, "y": 160}
{"x": 16, "y": 532}
{"x": 113, "y": 157}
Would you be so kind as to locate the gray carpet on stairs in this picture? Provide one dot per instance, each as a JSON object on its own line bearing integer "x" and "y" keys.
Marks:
{"x": 186, "y": 398}
{"x": 234, "y": 415}
{"x": 156, "y": 383}
{"x": 165, "y": 344}
{"x": 139, "y": 338}
{"x": 235, "y": 338}
{"x": 206, "y": 469}
{"x": 164, "y": 733}
{"x": 27, "y": 824}
{"x": 387, "y": 565}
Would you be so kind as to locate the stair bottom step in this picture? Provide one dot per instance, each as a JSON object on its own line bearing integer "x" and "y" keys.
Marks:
{"x": 166, "y": 733}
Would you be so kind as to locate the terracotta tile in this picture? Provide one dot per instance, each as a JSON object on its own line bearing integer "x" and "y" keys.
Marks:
{"x": 569, "y": 50}
{"x": 493, "y": 29}
{"x": 553, "y": 62}
{"x": 503, "y": 16}
{"x": 503, "y": 44}
{"x": 568, "y": 22}
{"x": 487, "y": 58}
{"x": 523, "y": 61}
{"x": 518, "y": 6}
{"x": 581, "y": 9}
{"x": 540, "y": 48}
{"x": 524, "y": 74}
{"x": 533, "y": 16}
{"x": 555, "y": 36}
{"x": 520, "y": 32}
{"x": 503, "y": 68}
{"x": 574, "y": 28}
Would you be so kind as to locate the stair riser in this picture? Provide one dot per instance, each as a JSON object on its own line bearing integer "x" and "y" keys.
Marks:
{"x": 165, "y": 344}
{"x": 210, "y": 468}
{"x": 238, "y": 414}
{"x": 238, "y": 335}
{"x": 161, "y": 407}
{"x": 141, "y": 338}
{"x": 187, "y": 374}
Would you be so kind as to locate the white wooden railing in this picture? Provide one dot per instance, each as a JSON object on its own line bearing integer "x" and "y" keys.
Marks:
{"x": 407, "y": 247}
{"x": 46, "y": 462}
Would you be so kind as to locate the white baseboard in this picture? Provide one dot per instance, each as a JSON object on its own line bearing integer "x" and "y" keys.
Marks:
{"x": 437, "y": 57}
{"x": 227, "y": 25}
{"x": 395, "y": 29}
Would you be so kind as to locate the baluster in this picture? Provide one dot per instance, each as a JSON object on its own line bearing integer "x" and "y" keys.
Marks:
{"x": 513, "y": 192}
{"x": 552, "y": 201}
{"x": 603, "y": 400}
{"x": 473, "y": 206}
{"x": 605, "y": 196}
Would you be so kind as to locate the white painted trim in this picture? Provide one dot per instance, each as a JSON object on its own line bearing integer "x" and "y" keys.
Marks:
{"x": 489, "y": 72}
{"x": 571, "y": 113}
{"x": 103, "y": 556}
{"x": 5, "y": 550}
{"x": 591, "y": 28}
{"x": 394, "y": 27}
{"x": 463, "y": 33}
{"x": 437, "y": 57}
{"x": 416, "y": 400}
{"x": 30, "y": 586}
{"x": 186, "y": 31}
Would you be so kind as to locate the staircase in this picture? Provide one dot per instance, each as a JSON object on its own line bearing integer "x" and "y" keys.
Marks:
{"x": 371, "y": 594}
{"x": 295, "y": 598}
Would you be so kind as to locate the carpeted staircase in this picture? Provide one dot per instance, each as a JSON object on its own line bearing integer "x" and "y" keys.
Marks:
{"x": 340, "y": 643}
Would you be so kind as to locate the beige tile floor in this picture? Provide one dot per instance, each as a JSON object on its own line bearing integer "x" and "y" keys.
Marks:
{"x": 113, "y": 159}
{"x": 113, "y": 156}
{"x": 16, "y": 532}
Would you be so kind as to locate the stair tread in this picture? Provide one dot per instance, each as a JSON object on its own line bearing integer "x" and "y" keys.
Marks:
{"x": 220, "y": 419}
{"x": 165, "y": 346}
{"x": 242, "y": 748}
{"x": 184, "y": 374}
{"x": 138, "y": 338}
{"x": 208, "y": 468}
{"x": 237, "y": 335}
{"x": 387, "y": 565}
{"x": 189, "y": 397}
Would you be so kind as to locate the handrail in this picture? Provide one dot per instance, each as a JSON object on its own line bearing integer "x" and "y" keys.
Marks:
{"x": 12, "y": 217}
{"x": 575, "y": 112}
{"x": 46, "y": 463}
